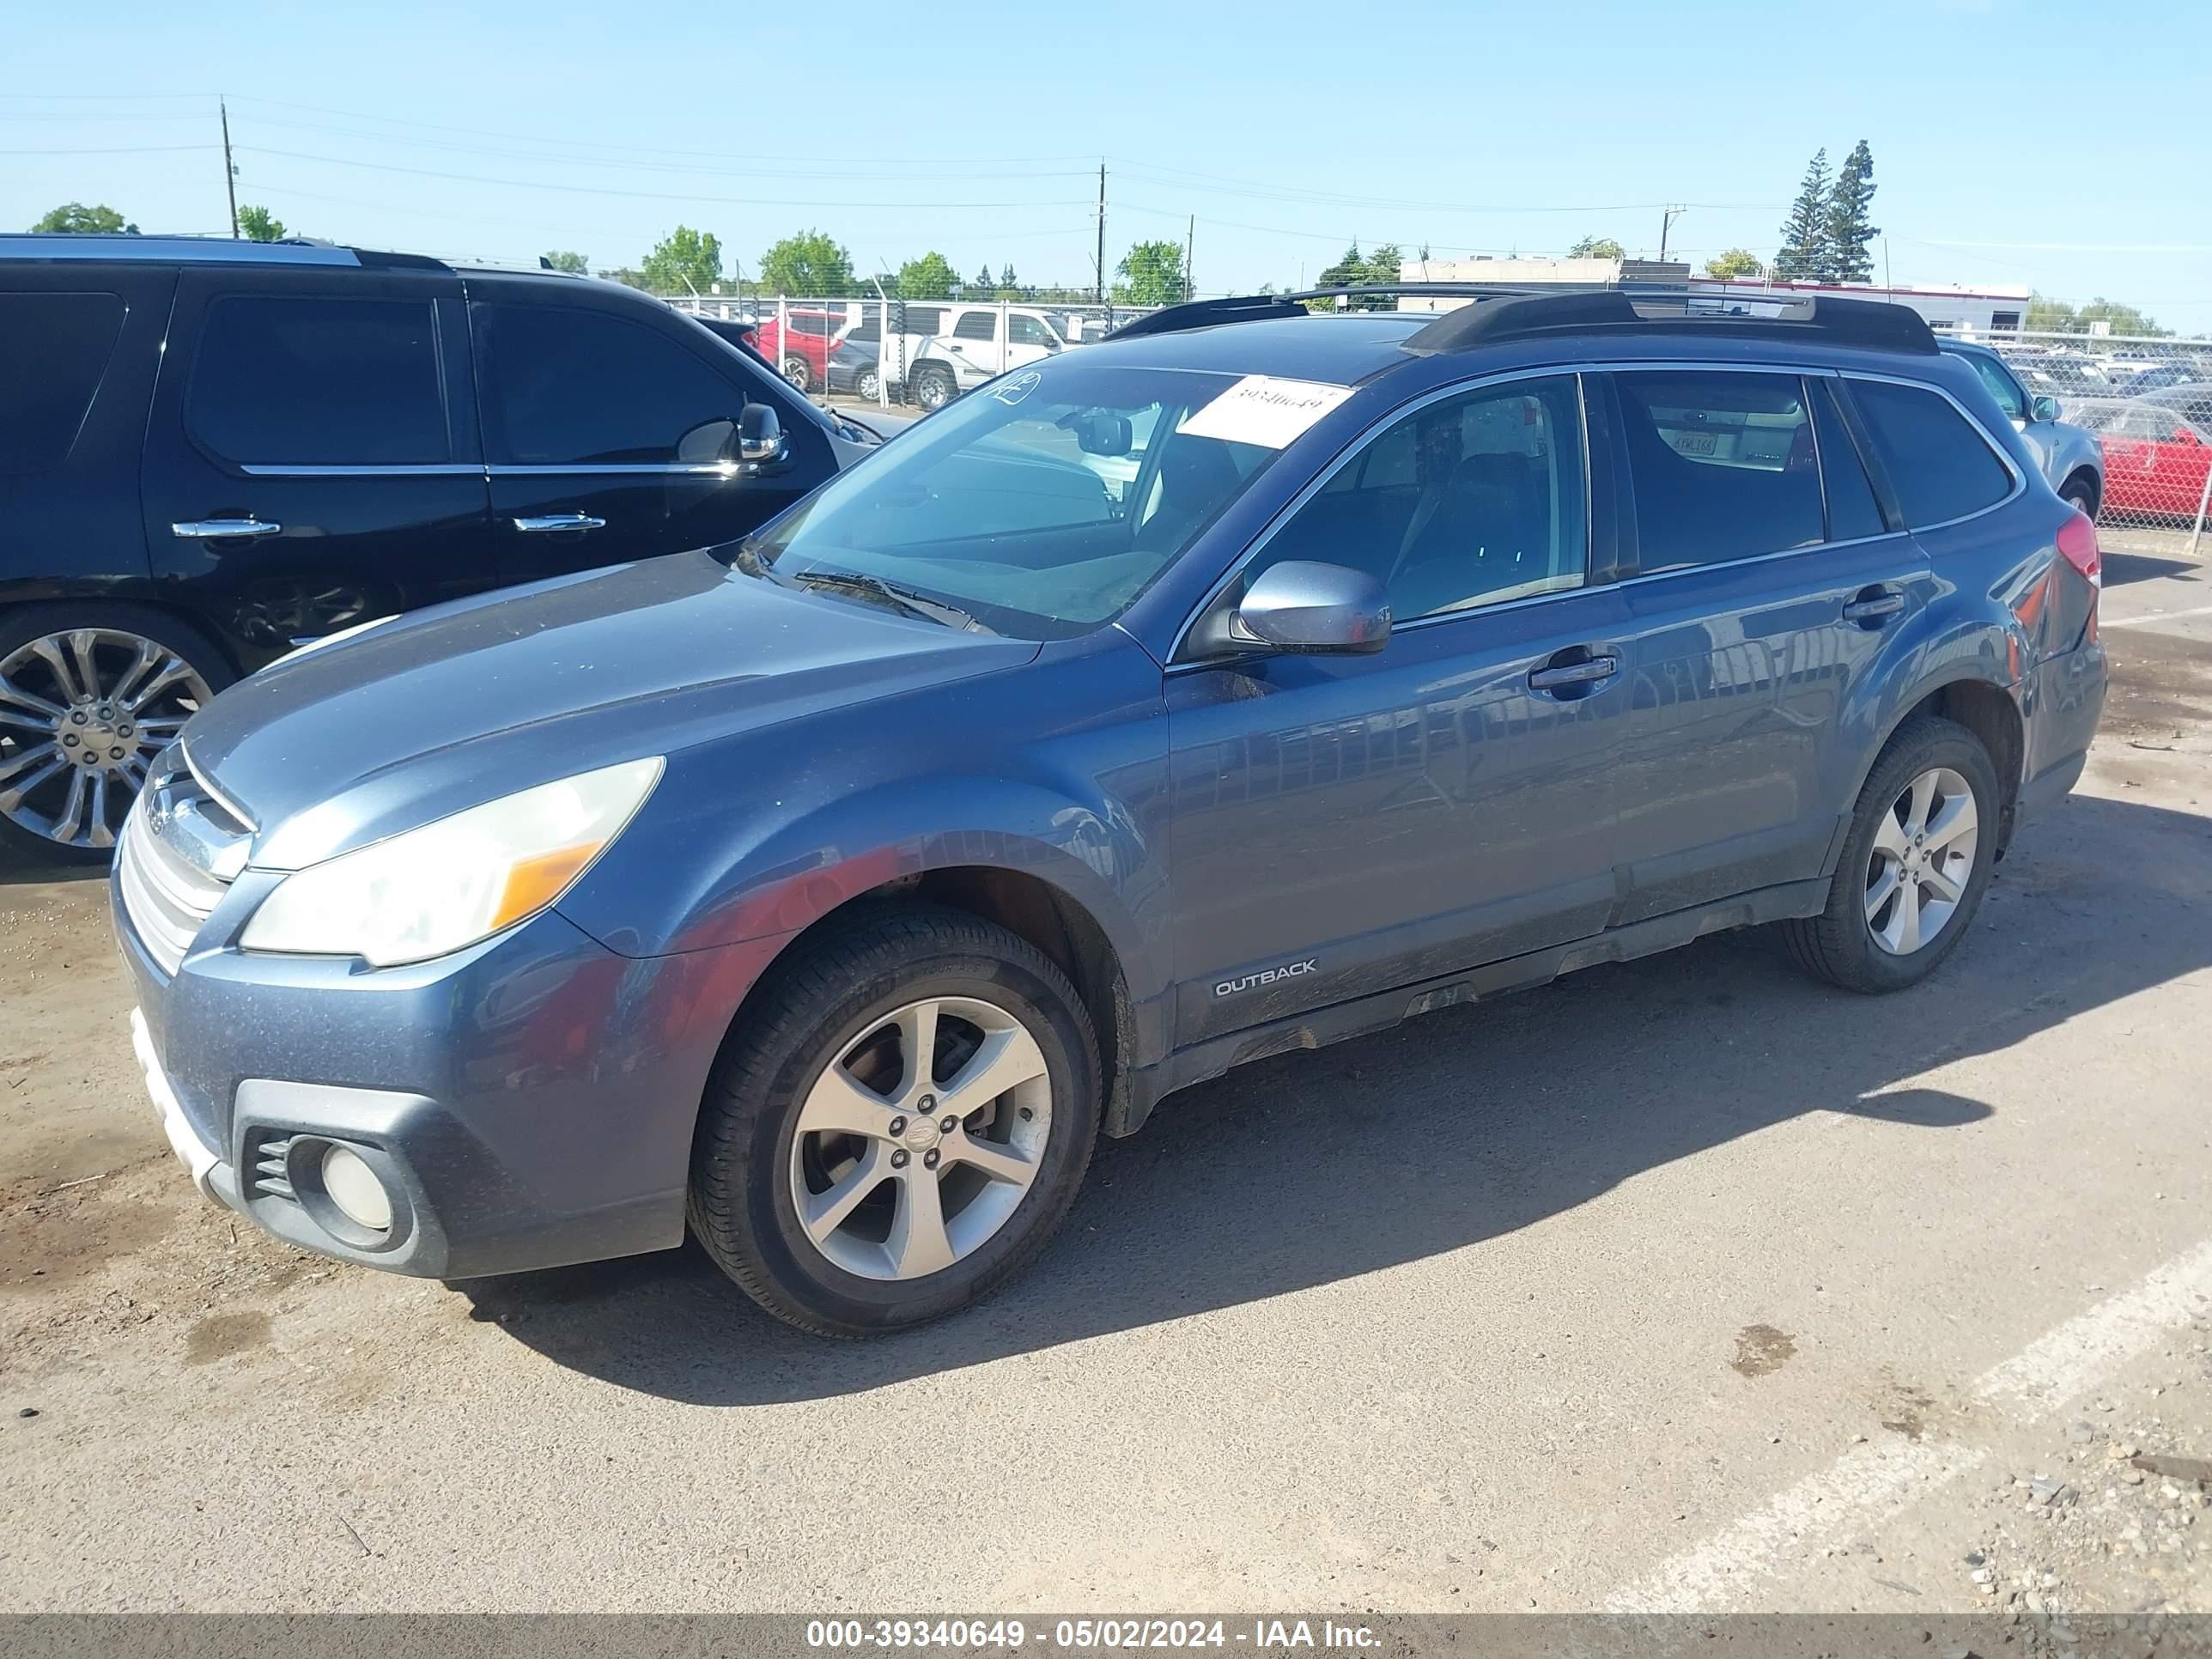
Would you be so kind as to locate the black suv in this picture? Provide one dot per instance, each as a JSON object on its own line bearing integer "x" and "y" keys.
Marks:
{"x": 212, "y": 452}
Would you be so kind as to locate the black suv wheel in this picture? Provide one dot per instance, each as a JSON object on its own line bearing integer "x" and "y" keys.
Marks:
{"x": 898, "y": 1124}
{"x": 89, "y": 695}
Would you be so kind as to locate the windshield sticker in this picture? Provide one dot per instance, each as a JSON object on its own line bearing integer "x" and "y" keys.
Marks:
{"x": 1262, "y": 410}
{"x": 1020, "y": 387}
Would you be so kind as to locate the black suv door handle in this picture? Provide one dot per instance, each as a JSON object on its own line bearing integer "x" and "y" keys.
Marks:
{"x": 1586, "y": 673}
{"x": 1873, "y": 605}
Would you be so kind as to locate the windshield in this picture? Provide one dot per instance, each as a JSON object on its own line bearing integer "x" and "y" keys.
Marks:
{"x": 1043, "y": 505}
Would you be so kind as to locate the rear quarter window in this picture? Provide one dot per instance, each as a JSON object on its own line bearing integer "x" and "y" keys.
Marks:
{"x": 1941, "y": 467}
{"x": 54, "y": 349}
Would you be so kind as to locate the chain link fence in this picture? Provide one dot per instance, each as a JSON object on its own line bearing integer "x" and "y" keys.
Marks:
{"x": 2148, "y": 401}
{"x": 917, "y": 353}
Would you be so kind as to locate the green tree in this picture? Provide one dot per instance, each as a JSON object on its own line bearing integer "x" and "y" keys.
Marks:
{"x": 929, "y": 277}
{"x": 1006, "y": 277}
{"x": 1597, "y": 247}
{"x": 1849, "y": 230}
{"x": 983, "y": 282}
{"x": 1736, "y": 262}
{"x": 574, "y": 263}
{"x": 1150, "y": 273}
{"x": 258, "y": 224}
{"x": 79, "y": 220}
{"x": 1348, "y": 272}
{"x": 2057, "y": 317}
{"x": 1804, "y": 251}
{"x": 809, "y": 264}
{"x": 685, "y": 261}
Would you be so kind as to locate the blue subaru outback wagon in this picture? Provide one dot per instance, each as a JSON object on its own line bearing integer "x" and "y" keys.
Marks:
{"x": 1249, "y": 681}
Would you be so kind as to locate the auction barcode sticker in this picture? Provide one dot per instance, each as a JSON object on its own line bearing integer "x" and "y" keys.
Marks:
{"x": 1262, "y": 410}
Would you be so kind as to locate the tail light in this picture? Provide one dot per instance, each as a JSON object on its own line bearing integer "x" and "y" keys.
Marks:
{"x": 2077, "y": 540}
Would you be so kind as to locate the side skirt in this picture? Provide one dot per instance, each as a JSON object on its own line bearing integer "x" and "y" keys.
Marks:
{"x": 1379, "y": 1012}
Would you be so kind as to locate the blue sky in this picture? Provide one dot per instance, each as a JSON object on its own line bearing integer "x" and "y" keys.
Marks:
{"x": 500, "y": 130}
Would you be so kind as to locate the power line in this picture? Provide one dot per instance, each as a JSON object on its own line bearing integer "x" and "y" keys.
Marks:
{"x": 122, "y": 150}
{"x": 637, "y": 195}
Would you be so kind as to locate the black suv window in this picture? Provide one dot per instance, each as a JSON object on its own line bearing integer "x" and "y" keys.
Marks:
{"x": 976, "y": 325}
{"x": 55, "y": 348}
{"x": 564, "y": 387}
{"x": 1473, "y": 501}
{"x": 1940, "y": 466}
{"x": 319, "y": 382}
{"x": 1853, "y": 512}
{"x": 1724, "y": 466}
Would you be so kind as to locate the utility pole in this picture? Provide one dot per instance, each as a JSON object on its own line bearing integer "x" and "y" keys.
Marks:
{"x": 1667, "y": 218}
{"x": 1102, "y": 232}
{"x": 229, "y": 172}
{"x": 1190, "y": 242}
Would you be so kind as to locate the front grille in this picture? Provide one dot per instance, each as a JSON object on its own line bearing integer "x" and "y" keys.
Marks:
{"x": 180, "y": 848}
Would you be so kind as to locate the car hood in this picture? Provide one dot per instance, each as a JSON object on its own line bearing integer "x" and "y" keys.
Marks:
{"x": 343, "y": 744}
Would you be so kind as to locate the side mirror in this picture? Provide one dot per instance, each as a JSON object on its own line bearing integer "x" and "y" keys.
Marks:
{"x": 760, "y": 436}
{"x": 1302, "y": 605}
{"x": 2045, "y": 408}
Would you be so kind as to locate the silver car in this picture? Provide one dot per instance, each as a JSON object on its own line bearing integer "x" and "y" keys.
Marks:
{"x": 2071, "y": 457}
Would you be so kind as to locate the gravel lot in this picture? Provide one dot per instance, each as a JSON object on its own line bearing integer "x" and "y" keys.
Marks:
{"x": 1685, "y": 1284}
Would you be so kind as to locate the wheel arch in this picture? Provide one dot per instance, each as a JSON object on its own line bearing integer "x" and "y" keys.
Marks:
{"x": 1985, "y": 708}
{"x": 100, "y": 605}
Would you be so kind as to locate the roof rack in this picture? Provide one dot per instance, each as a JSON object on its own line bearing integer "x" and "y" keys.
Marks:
{"x": 1503, "y": 311}
{"x": 1518, "y": 314}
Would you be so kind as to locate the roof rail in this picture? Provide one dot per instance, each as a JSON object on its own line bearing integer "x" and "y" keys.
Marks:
{"x": 1508, "y": 311}
{"x": 1517, "y": 314}
{"x": 1205, "y": 313}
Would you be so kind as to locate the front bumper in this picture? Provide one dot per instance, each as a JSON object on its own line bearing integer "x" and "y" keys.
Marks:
{"x": 527, "y": 1103}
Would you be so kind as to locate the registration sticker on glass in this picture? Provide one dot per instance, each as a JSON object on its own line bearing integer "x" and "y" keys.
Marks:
{"x": 1262, "y": 410}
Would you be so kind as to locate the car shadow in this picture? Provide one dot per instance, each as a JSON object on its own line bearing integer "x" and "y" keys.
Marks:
{"x": 17, "y": 870}
{"x": 1452, "y": 1129}
{"x": 2122, "y": 569}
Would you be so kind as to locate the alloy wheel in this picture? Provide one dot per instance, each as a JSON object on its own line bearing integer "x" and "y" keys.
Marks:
{"x": 1922, "y": 861}
{"x": 82, "y": 714}
{"x": 920, "y": 1138}
{"x": 796, "y": 372}
{"x": 870, "y": 384}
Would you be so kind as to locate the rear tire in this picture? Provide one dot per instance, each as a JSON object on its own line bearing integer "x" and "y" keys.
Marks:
{"x": 89, "y": 695}
{"x": 800, "y": 374}
{"x": 829, "y": 1226}
{"x": 1922, "y": 843}
{"x": 869, "y": 384}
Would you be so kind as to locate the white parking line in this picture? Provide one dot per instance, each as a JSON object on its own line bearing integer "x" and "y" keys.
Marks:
{"x": 1870, "y": 1483}
{"x": 2155, "y": 616}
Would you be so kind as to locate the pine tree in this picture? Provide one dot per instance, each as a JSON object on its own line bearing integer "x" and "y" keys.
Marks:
{"x": 1848, "y": 230}
{"x": 1804, "y": 252}
{"x": 1007, "y": 276}
{"x": 982, "y": 283}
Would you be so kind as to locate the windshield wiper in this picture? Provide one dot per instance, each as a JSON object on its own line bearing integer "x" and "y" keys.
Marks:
{"x": 905, "y": 599}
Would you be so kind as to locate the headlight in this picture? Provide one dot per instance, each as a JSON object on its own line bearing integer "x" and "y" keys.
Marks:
{"x": 450, "y": 884}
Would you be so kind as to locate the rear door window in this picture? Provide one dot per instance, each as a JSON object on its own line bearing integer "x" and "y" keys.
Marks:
{"x": 1724, "y": 466}
{"x": 54, "y": 349}
{"x": 1940, "y": 466}
{"x": 569, "y": 387}
{"x": 976, "y": 325}
{"x": 307, "y": 381}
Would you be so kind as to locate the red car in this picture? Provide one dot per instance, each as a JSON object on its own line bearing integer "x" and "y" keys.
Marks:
{"x": 2155, "y": 460}
{"x": 805, "y": 359}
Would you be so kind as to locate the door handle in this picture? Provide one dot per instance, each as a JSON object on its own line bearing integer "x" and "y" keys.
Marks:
{"x": 544, "y": 521}
{"x": 203, "y": 530}
{"x": 1574, "y": 673}
{"x": 1874, "y": 605}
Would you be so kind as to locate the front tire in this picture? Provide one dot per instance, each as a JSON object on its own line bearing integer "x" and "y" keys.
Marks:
{"x": 850, "y": 1191}
{"x": 1921, "y": 845}
{"x": 2081, "y": 494}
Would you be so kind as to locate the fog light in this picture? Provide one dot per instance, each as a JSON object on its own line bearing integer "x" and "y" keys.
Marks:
{"x": 356, "y": 1190}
